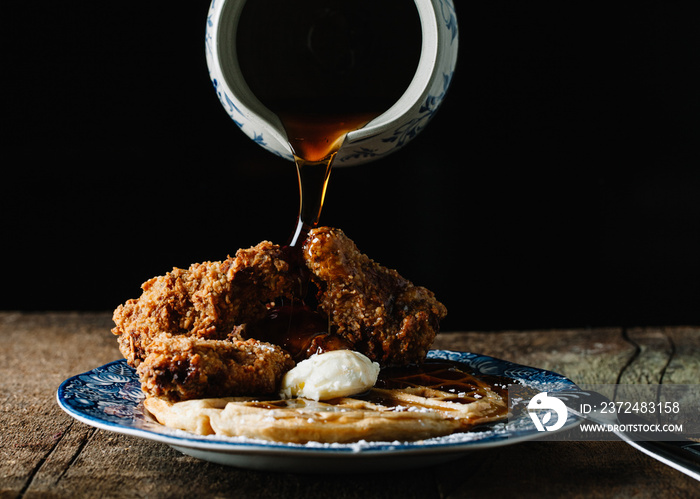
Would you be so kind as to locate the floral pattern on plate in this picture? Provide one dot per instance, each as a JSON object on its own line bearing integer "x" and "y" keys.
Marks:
{"x": 109, "y": 397}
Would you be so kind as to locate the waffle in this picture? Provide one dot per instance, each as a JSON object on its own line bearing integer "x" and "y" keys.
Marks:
{"x": 382, "y": 414}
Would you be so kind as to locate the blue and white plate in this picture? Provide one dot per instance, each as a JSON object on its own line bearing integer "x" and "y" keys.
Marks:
{"x": 110, "y": 398}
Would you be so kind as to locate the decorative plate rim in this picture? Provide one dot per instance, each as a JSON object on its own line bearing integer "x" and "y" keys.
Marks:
{"x": 109, "y": 397}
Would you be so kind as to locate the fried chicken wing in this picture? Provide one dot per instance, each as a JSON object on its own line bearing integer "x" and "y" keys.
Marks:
{"x": 376, "y": 310}
{"x": 184, "y": 367}
{"x": 208, "y": 300}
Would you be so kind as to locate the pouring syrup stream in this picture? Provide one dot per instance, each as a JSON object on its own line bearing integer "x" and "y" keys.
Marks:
{"x": 315, "y": 142}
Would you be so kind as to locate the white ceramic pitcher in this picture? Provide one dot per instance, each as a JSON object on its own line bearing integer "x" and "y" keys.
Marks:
{"x": 386, "y": 133}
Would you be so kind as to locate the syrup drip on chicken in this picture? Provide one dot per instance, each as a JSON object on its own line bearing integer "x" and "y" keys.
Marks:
{"x": 298, "y": 329}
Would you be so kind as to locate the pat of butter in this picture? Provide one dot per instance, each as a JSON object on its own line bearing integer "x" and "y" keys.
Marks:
{"x": 338, "y": 373}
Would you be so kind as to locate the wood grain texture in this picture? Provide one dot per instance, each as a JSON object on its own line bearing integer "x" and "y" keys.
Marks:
{"x": 45, "y": 453}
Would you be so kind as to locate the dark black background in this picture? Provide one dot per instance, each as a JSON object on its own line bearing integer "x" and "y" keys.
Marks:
{"x": 558, "y": 185}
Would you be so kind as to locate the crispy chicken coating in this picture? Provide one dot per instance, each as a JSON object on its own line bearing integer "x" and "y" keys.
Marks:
{"x": 214, "y": 329}
{"x": 183, "y": 367}
{"x": 372, "y": 307}
{"x": 207, "y": 301}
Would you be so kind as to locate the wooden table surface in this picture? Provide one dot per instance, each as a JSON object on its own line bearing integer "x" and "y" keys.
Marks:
{"x": 46, "y": 453}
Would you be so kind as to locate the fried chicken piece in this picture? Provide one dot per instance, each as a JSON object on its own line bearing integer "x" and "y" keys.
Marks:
{"x": 214, "y": 330}
{"x": 205, "y": 301}
{"x": 377, "y": 311}
{"x": 183, "y": 367}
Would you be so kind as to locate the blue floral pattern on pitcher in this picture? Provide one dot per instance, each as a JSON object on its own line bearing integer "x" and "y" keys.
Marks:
{"x": 399, "y": 137}
{"x": 362, "y": 149}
